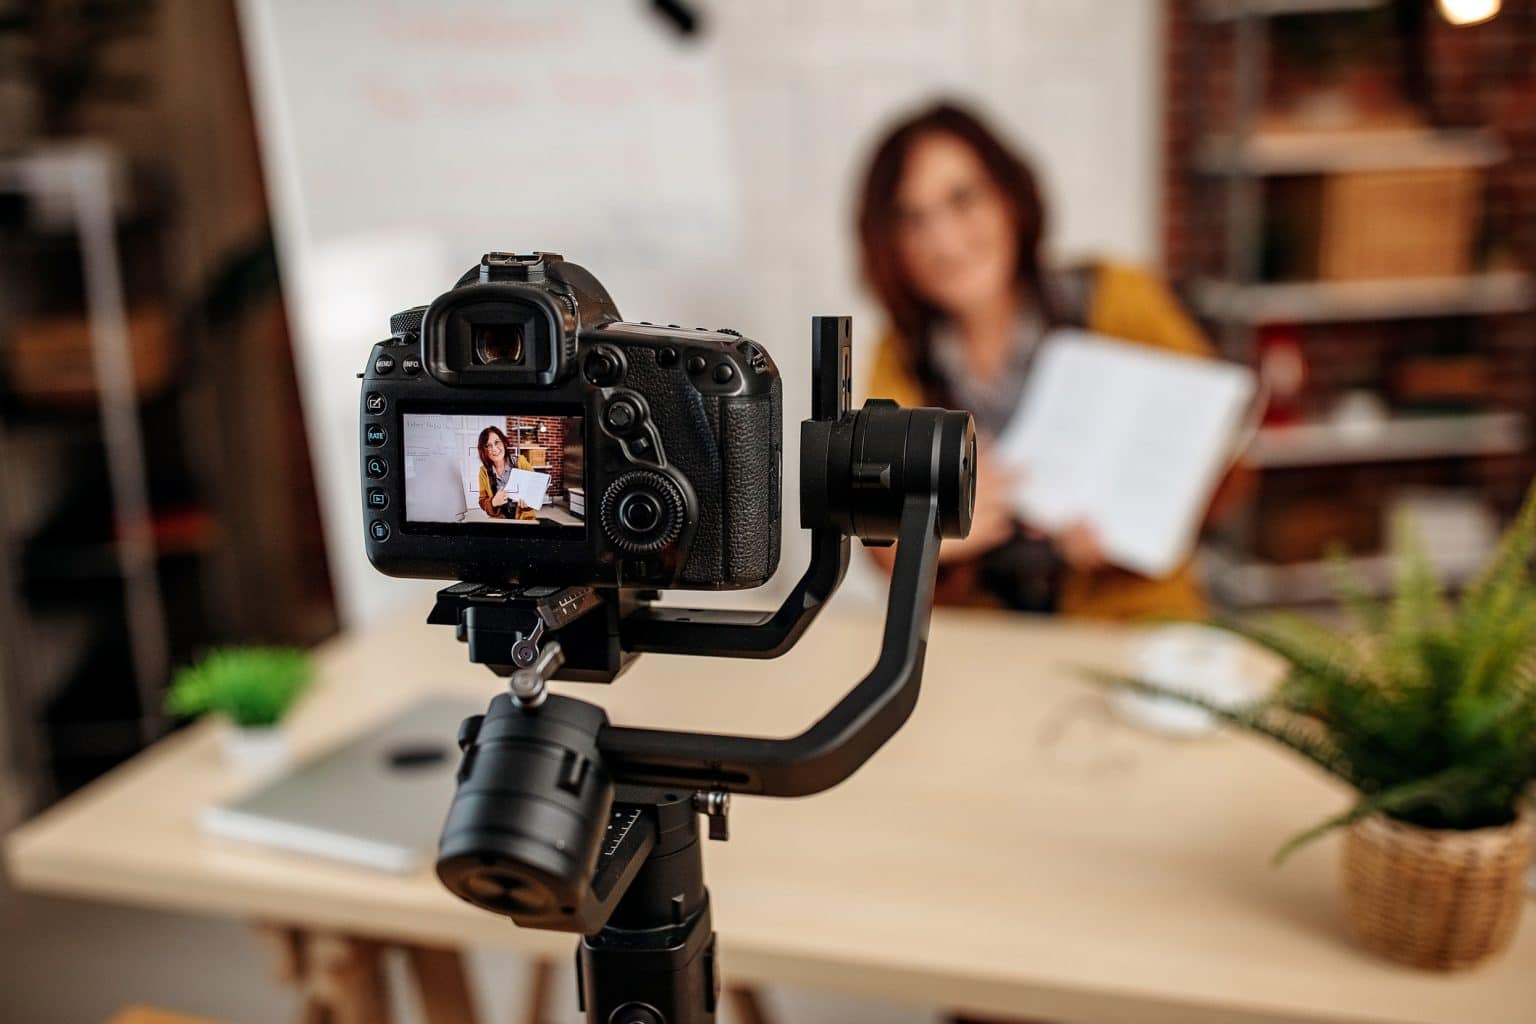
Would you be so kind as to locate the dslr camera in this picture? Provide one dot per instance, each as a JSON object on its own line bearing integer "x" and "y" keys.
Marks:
{"x": 519, "y": 430}
{"x": 564, "y": 466}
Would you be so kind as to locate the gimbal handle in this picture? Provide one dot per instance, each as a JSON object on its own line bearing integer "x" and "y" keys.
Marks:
{"x": 845, "y": 737}
{"x": 727, "y": 633}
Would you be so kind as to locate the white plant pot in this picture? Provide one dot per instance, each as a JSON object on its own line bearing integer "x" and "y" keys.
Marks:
{"x": 256, "y": 753}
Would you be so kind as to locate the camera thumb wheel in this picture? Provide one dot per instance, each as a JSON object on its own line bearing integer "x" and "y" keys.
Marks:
{"x": 642, "y": 512}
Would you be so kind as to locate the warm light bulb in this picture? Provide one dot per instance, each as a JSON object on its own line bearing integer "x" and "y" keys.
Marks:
{"x": 1469, "y": 12}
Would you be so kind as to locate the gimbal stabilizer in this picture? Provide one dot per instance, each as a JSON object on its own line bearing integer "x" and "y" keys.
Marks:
{"x": 564, "y": 821}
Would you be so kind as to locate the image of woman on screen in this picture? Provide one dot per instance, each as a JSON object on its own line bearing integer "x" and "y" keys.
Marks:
{"x": 950, "y": 229}
{"x": 495, "y": 469}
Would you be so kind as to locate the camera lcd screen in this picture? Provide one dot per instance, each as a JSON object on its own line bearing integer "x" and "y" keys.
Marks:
{"x": 495, "y": 471}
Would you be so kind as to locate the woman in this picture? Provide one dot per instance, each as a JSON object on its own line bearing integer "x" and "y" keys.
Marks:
{"x": 495, "y": 468}
{"x": 950, "y": 226}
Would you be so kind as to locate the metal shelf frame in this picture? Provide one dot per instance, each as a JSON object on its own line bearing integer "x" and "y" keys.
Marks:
{"x": 1490, "y": 293}
{"x": 81, "y": 179}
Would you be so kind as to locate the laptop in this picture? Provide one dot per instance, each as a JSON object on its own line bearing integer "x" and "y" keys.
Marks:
{"x": 377, "y": 801}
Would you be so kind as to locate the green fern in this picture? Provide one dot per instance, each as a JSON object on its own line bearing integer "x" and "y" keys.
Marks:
{"x": 1426, "y": 706}
{"x": 253, "y": 686}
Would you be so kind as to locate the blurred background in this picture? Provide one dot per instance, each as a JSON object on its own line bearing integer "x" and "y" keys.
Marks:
{"x": 209, "y": 208}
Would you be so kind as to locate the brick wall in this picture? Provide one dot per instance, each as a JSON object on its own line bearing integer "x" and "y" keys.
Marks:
{"x": 553, "y": 440}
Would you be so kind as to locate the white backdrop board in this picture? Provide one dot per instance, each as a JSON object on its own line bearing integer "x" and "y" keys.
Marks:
{"x": 707, "y": 181}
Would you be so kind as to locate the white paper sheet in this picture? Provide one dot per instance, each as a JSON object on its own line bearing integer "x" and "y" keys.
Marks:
{"x": 1130, "y": 439}
{"x": 529, "y": 487}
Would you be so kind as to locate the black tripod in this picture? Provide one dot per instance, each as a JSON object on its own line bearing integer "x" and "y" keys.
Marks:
{"x": 564, "y": 821}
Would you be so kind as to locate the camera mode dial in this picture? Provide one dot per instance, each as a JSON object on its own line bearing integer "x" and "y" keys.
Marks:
{"x": 642, "y": 512}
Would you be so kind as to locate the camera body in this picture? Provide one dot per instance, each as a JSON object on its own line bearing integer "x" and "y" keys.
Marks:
{"x": 519, "y": 431}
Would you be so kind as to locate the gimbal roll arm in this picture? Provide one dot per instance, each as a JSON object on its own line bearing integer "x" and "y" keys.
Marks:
{"x": 723, "y": 633}
{"x": 845, "y": 737}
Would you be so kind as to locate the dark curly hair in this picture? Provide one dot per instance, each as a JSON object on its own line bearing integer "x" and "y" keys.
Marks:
{"x": 912, "y": 315}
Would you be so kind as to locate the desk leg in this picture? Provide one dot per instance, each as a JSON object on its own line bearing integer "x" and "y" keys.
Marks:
{"x": 541, "y": 987}
{"x": 443, "y": 984}
{"x": 746, "y": 1006}
{"x": 340, "y": 979}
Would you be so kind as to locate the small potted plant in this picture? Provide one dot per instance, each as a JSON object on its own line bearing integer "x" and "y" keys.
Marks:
{"x": 252, "y": 688}
{"x": 1427, "y": 708}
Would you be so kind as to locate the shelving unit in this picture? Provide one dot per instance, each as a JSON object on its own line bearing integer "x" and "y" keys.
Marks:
{"x": 1394, "y": 440}
{"x": 1233, "y": 10}
{"x": 1254, "y": 303}
{"x": 43, "y": 453}
{"x": 1240, "y": 581}
{"x": 1235, "y": 169}
{"x": 1321, "y": 152}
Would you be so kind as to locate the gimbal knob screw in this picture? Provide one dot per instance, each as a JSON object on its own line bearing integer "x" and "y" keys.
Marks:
{"x": 529, "y": 685}
{"x": 715, "y": 804}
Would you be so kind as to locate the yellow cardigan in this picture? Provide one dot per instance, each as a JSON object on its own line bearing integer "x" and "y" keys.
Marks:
{"x": 487, "y": 492}
{"x": 1133, "y": 305}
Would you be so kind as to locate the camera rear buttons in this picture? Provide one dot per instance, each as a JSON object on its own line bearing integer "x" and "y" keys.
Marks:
{"x": 383, "y": 364}
{"x": 604, "y": 367}
{"x": 378, "y": 499}
{"x": 641, "y": 449}
{"x": 410, "y": 364}
{"x": 379, "y": 529}
{"x": 622, "y": 415}
{"x": 374, "y": 403}
{"x": 376, "y": 467}
{"x": 374, "y": 435}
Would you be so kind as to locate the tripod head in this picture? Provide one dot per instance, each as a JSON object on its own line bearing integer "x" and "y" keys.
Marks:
{"x": 557, "y": 809}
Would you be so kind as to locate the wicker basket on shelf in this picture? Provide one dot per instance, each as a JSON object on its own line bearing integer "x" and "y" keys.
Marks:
{"x": 1436, "y": 898}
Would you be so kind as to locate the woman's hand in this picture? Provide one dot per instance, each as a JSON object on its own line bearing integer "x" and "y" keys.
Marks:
{"x": 1080, "y": 548}
{"x": 500, "y": 498}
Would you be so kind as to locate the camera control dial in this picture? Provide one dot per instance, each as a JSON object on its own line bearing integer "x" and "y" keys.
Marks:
{"x": 643, "y": 511}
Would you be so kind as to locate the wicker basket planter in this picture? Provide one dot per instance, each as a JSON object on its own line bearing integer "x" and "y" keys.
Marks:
{"x": 1435, "y": 898}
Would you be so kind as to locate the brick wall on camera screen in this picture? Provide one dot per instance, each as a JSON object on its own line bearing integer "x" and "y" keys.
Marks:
{"x": 1478, "y": 76}
{"x": 552, "y": 441}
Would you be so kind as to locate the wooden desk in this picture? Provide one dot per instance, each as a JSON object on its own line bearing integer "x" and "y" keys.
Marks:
{"x": 1014, "y": 850}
